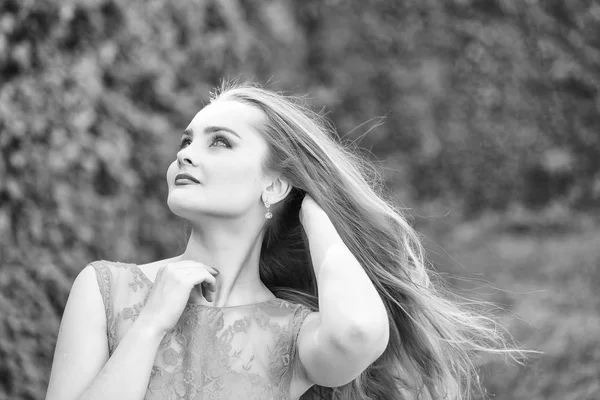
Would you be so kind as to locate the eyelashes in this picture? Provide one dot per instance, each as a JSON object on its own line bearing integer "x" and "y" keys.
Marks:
{"x": 215, "y": 138}
{"x": 183, "y": 141}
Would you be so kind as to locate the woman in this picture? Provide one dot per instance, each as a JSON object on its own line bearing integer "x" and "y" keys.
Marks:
{"x": 278, "y": 209}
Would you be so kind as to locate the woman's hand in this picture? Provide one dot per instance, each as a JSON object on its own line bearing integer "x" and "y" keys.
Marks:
{"x": 171, "y": 291}
{"x": 320, "y": 232}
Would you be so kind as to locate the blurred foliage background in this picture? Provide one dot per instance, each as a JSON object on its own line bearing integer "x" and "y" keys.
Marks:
{"x": 484, "y": 116}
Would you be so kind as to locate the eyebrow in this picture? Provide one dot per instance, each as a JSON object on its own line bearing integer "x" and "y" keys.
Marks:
{"x": 211, "y": 129}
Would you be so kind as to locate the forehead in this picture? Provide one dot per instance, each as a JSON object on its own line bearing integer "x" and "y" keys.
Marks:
{"x": 242, "y": 118}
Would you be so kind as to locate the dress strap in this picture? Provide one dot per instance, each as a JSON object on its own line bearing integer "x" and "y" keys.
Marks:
{"x": 104, "y": 278}
{"x": 298, "y": 319}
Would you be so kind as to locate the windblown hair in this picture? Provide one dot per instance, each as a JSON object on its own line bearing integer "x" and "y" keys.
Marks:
{"x": 435, "y": 338}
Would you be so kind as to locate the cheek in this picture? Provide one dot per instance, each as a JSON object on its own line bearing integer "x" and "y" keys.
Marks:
{"x": 171, "y": 171}
{"x": 241, "y": 173}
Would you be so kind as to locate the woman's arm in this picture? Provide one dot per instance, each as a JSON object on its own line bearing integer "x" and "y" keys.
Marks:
{"x": 80, "y": 369}
{"x": 351, "y": 329}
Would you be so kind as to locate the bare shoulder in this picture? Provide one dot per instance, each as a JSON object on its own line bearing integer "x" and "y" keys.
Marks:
{"x": 86, "y": 292}
{"x": 85, "y": 281}
{"x": 81, "y": 347}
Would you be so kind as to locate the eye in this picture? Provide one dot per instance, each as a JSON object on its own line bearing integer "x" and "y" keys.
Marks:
{"x": 215, "y": 139}
{"x": 220, "y": 139}
{"x": 183, "y": 142}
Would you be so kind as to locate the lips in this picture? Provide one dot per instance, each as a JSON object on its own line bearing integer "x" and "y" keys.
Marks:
{"x": 185, "y": 178}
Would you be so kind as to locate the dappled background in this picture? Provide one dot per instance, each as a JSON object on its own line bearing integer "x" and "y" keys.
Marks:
{"x": 484, "y": 116}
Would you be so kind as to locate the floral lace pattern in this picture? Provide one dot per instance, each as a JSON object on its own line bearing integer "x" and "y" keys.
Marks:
{"x": 212, "y": 353}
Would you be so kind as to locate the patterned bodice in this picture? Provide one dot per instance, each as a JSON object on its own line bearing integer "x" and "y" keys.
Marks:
{"x": 212, "y": 353}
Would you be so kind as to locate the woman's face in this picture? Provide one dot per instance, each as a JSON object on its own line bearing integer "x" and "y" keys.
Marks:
{"x": 222, "y": 149}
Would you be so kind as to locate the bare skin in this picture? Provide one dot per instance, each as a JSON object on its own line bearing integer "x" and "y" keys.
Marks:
{"x": 151, "y": 269}
{"x": 226, "y": 211}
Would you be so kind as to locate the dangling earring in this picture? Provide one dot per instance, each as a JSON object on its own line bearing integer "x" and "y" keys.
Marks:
{"x": 268, "y": 214}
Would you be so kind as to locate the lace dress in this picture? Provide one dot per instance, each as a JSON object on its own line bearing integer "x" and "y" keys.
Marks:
{"x": 212, "y": 353}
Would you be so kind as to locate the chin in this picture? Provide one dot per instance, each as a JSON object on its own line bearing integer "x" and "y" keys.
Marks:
{"x": 181, "y": 206}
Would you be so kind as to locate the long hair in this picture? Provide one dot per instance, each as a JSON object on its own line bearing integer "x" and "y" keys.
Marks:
{"x": 435, "y": 339}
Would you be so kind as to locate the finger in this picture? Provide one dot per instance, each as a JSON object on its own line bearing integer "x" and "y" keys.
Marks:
{"x": 209, "y": 295}
{"x": 209, "y": 288}
{"x": 198, "y": 276}
{"x": 206, "y": 288}
{"x": 196, "y": 293}
{"x": 210, "y": 284}
{"x": 202, "y": 291}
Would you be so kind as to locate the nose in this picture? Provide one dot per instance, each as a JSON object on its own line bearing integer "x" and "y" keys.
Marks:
{"x": 183, "y": 159}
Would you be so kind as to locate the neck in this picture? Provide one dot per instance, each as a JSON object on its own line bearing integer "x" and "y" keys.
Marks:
{"x": 233, "y": 249}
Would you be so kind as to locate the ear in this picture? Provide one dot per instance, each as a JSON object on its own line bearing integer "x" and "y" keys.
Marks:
{"x": 276, "y": 190}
